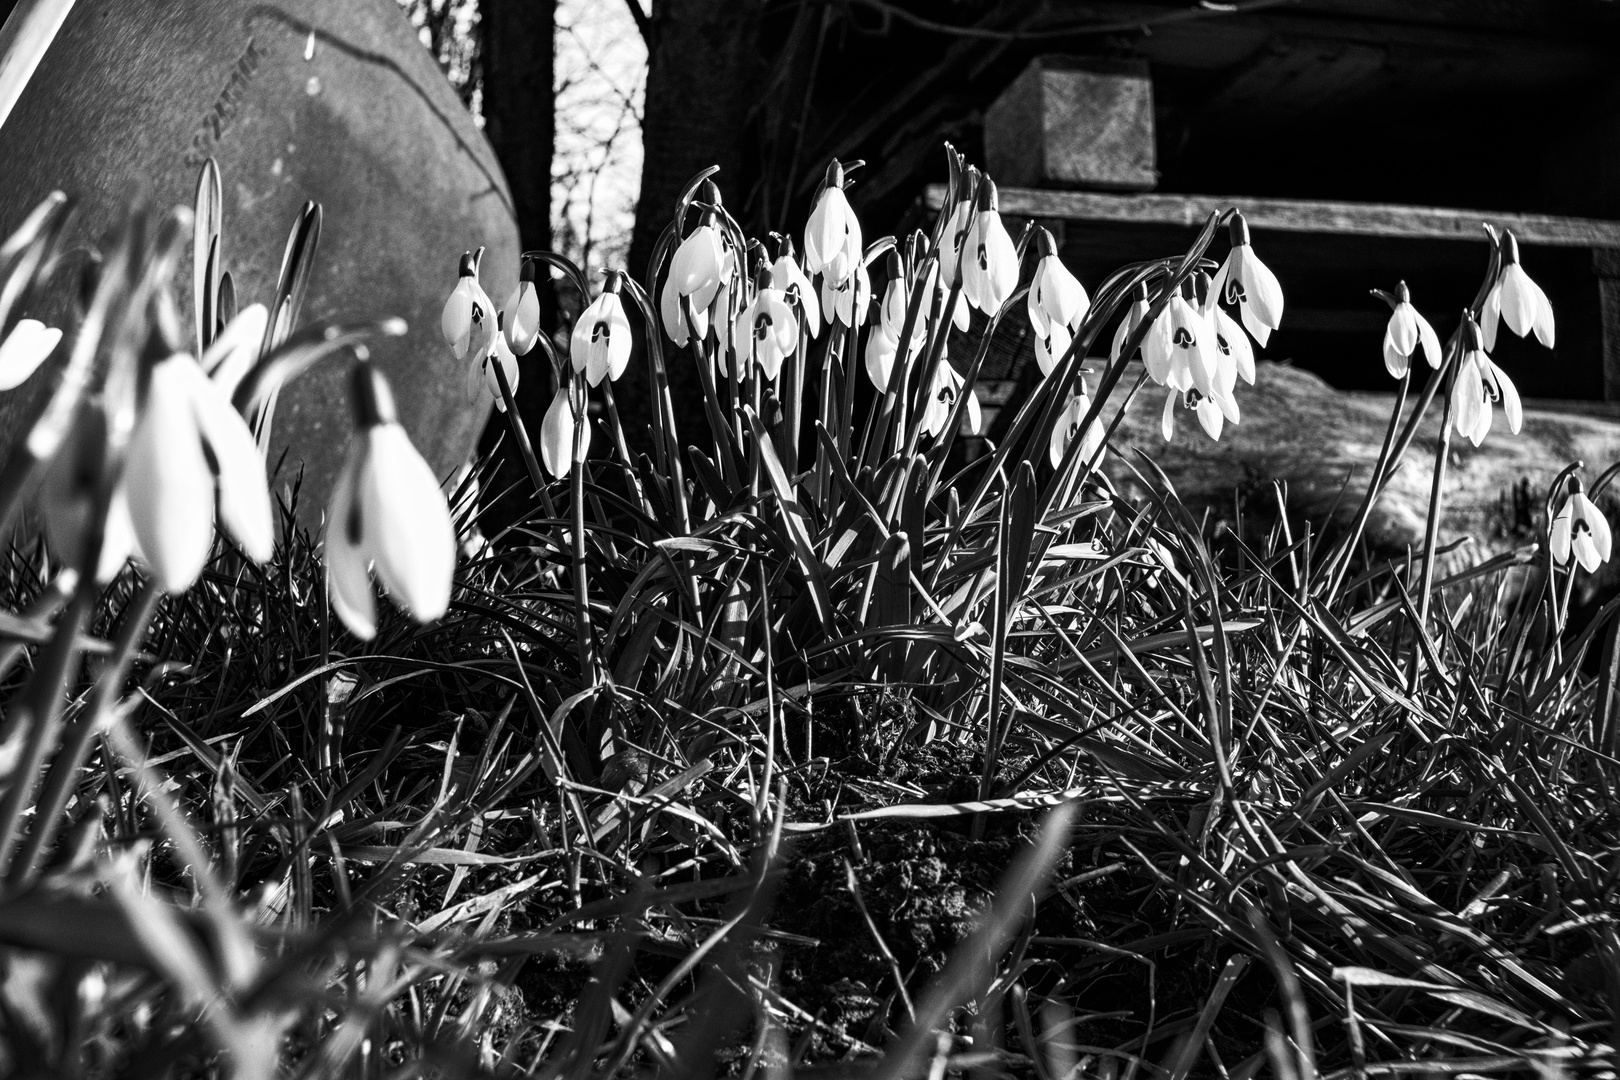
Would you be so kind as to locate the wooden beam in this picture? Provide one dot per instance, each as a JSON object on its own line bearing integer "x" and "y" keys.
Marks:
{"x": 1303, "y": 216}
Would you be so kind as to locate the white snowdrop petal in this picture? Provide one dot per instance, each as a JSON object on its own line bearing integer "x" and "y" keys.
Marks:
{"x": 244, "y": 495}
{"x": 348, "y": 567}
{"x": 1518, "y": 302}
{"x": 1430, "y": 342}
{"x": 1602, "y": 537}
{"x": 1167, "y": 419}
{"x": 457, "y": 314}
{"x": 24, "y": 349}
{"x": 557, "y": 435}
{"x": 1394, "y": 361}
{"x": 1511, "y": 405}
{"x": 171, "y": 488}
{"x": 117, "y": 537}
{"x": 1586, "y": 553}
{"x": 235, "y": 352}
{"x": 411, "y": 539}
{"x": 1559, "y": 536}
{"x": 1210, "y": 417}
{"x": 1467, "y": 398}
{"x": 1264, "y": 293}
{"x": 1402, "y": 332}
{"x": 1490, "y": 315}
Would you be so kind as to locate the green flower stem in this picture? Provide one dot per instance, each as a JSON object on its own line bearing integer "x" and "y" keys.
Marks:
{"x": 520, "y": 434}
{"x": 1338, "y": 562}
{"x": 582, "y": 593}
{"x": 1431, "y": 532}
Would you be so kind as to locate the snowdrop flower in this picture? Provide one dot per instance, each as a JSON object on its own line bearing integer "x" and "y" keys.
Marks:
{"x": 795, "y": 287}
{"x": 695, "y": 273}
{"x": 24, "y": 349}
{"x": 1057, "y": 304}
{"x": 188, "y": 445}
{"x": 832, "y": 236}
{"x": 1130, "y": 321}
{"x": 1177, "y": 350}
{"x": 1479, "y": 383}
{"x": 1580, "y": 529}
{"x": 767, "y": 330}
{"x": 958, "y": 315}
{"x": 600, "y": 344}
{"x": 942, "y": 402}
{"x": 1226, "y": 344}
{"x": 1517, "y": 300}
{"x": 1406, "y": 333}
{"x": 387, "y": 514}
{"x": 522, "y": 326}
{"x": 234, "y": 352}
{"x": 953, "y": 240}
{"x": 846, "y": 302}
{"x": 557, "y": 433}
{"x": 468, "y": 319}
{"x": 1212, "y": 412}
{"x": 1068, "y": 426}
{"x": 68, "y": 492}
{"x": 483, "y": 375}
{"x": 989, "y": 259}
{"x": 1249, "y": 285}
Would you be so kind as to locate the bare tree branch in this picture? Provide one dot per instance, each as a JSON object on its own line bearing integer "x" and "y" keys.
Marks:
{"x": 643, "y": 18}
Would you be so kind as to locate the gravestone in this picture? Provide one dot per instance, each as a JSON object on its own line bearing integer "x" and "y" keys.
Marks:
{"x": 334, "y": 101}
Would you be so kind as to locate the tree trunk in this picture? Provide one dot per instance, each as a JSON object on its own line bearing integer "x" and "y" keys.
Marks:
{"x": 702, "y": 63}
{"x": 517, "y": 57}
{"x": 517, "y": 54}
{"x": 702, "y": 66}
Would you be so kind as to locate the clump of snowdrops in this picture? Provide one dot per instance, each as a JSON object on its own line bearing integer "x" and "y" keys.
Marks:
{"x": 571, "y": 810}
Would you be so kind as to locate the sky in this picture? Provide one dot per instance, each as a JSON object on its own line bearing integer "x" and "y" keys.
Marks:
{"x": 601, "y": 65}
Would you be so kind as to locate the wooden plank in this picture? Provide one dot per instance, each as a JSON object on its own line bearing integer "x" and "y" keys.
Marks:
{"x": 1606, "y": 268}
{"x": 1303, "y": 216}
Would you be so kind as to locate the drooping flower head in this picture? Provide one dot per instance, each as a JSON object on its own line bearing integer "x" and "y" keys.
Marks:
{"x": 964, "y": 189}
{"x": 1516, "y": 299}
{"x": 1249, "y": 285}
{"x": 1130, "y": 321}
{"x": 942, "y": 400}
{"x": 388, "y": 515}
{"x": 1177, "y": 349}
{"x": 989, "y": 258}
{"x": 1057, "y": 304}
{"x": 787, "y": 276}
{"x": 696, "y": 272}
{"x": 832, "y": 236}
{"x": 767, "y": 330}
{"x": 600, "y": 343}
{"x": 1480, "y": 384}
{"x": 522, "y": 323}
{"x": 1582, "y": 530}
{"x": 468, "y": 319}
{"x": 1212, "y": 412}
{"x": 482, "y": 377}
{"x": 1407, "y": 332}
{"x": 849, "y": 302}
{"x": 1068, "y": 427}
{"x": 1225, "y": 342}
{"x": 188, "y": 448}
{"x": 24, "y": 349}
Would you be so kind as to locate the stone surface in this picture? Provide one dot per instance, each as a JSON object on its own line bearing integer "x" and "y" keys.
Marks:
{"x": 134, "y": 94}
{"x": 1074, "y": 122}
{"x": 1321, "y": 442}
